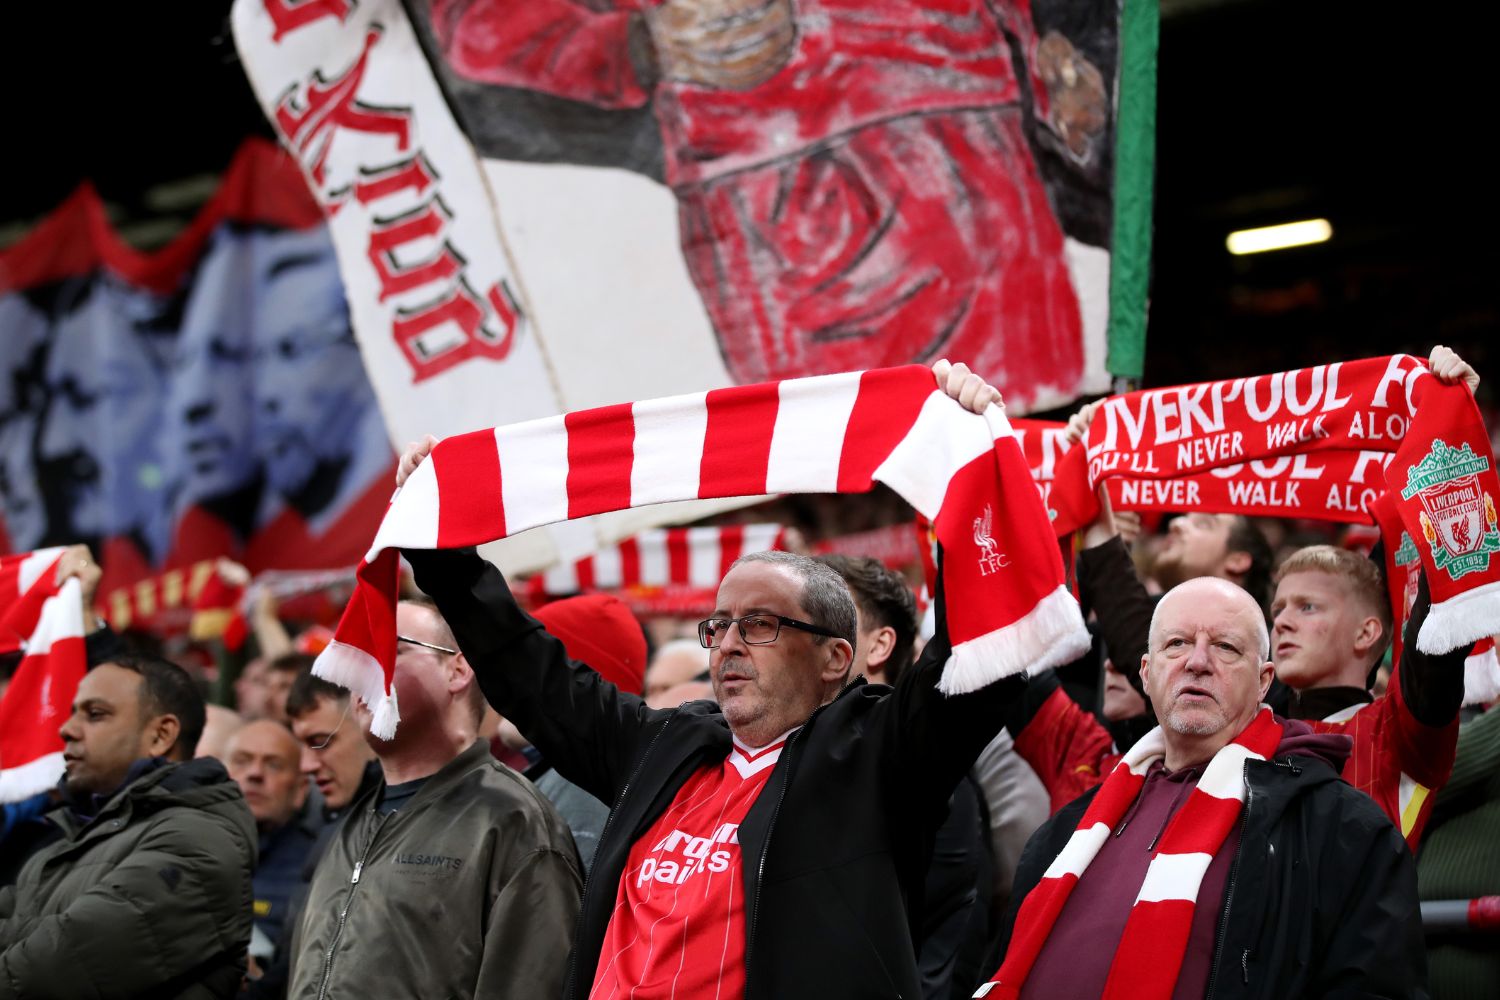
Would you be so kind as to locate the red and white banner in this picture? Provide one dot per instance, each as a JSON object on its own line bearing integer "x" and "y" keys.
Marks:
{"x": 1324, "y": 442}
{"x": 688, "y": 557}
{"x": 40, "y": 694}
{"x": 894, "y": 545}
{"x": 451, "y": 338}
{"x": 697, "y": 558}
{"x": 20, "y": 597}
{"x": 557, "y": 205}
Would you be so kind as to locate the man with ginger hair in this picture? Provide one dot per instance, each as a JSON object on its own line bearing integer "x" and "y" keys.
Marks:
{"x": 1331, "y": 624}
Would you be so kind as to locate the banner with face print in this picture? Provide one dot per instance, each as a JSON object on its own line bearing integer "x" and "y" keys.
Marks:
{"x": 206, "y": 399}
{"x": 666, "y": 196}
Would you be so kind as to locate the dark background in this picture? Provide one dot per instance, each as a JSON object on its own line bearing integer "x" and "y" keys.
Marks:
{"x": 1372, "y": 116}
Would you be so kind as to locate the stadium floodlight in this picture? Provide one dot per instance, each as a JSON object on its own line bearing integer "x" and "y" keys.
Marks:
{"x": 1288, "y": 234}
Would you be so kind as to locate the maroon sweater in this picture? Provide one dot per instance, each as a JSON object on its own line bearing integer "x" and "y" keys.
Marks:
{"x": 1075, "y": 960}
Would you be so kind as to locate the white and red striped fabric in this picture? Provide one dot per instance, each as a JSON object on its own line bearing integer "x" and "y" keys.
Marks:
{"x": 41, "y": 690}
{"x": 895, "y": 545}
{"x": 1150, "y": 951}
{"x": 665, "y": 557}
{"x": 20, "y": 598}
{"x": 1007, "y": 608}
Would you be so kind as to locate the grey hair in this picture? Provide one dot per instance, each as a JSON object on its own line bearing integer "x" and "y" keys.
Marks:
{"x": 825, "y": 596}
{"x": 1262, "y": 632}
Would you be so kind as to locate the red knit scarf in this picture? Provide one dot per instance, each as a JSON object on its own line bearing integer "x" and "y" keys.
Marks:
{"x": 46, "y": 623}
{"x": 1002, "y": 574}
{"x": 1150, "y": 951}
{"x": 1322, "y": 442}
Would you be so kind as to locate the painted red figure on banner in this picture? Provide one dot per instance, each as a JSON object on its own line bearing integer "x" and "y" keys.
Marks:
{"x": 854, "y": 185}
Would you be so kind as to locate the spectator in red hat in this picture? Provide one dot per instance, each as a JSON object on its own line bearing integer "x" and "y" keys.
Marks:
{"x": 599, "y": 630}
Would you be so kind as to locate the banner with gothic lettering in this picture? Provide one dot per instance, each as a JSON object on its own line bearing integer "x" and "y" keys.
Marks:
{"x": 559, "y": 204}
{"x": 207, "y": 399}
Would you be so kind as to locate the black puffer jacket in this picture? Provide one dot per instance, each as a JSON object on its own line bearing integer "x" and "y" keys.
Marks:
{"x": 1321, "y": 899}
{"x": 150, "y": 898}
{"x": 837, "y": 844}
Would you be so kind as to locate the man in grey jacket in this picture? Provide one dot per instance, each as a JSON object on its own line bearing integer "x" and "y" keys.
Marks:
{"x": 454, "y": 877}
{"x": 147, "y": 892}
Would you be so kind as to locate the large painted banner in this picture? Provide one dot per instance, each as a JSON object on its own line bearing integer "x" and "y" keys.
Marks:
{"x": 548, "y": 205}
{"x": 204, "y": 400}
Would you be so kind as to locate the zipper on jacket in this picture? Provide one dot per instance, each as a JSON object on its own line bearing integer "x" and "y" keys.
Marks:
{"x": 609, "y": 821}
{"x": 765, "y": 848}
{"x": 1234, "y": 871}
{"x": 338, "y": 930}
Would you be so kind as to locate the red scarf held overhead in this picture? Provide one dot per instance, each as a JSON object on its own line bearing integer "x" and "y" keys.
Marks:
{"x": 1007, "y": 608}
{"x": 1149, "y": 954}
{"x": 1322, "y": 442}
{"x": 46, "y": 623}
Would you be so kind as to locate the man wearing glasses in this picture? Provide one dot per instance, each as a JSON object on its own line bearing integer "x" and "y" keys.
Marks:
{"x": 772, "y": 845}
{"x": 452, "y": 876}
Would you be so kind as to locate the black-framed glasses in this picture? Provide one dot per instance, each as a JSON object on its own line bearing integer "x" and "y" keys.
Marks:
{"x": 756, "y": 630}
{"x": 427, "y": 645}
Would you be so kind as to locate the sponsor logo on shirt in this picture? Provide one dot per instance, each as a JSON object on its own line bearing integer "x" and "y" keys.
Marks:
{"x": 680, "y": 856}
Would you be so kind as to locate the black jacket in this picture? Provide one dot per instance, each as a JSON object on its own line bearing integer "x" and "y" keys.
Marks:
{"x": 1321, "y": 899}
{"x": 835, "y": 847}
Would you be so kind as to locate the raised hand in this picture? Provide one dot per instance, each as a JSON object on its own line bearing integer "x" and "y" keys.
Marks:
{"x": 412, "y": 457}
{"x": 972, "y": 392}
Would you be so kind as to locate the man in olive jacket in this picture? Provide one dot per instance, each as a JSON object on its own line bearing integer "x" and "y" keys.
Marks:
{"x": 147, "y": 892}
{"x": 453, "y": 877}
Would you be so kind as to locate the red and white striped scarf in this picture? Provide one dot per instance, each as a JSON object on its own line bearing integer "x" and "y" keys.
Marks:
{"x": 1322, "y": 442}
{"x": 664, "y": 557}
{"x": 1007, "y": 608}
{"x": 46, "y": 623}
{"x": 1149, "y": 955}
{"x": 25, "y": 582}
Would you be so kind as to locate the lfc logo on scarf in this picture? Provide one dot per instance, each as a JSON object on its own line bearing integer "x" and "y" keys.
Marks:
{"x": 1006, "y": 610}
{"x": 991, "y": 559}
{"x": 1458, "y": 514}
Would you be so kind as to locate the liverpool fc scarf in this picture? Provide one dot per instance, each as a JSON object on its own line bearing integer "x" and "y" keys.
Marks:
{"x": 46, "y": 623}
{"x": 1007, "y": 608}
{"x": 1322, "y": 442}
{"x": 1149, "y": 955}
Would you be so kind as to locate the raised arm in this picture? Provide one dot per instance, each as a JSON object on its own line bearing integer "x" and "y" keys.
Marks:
{"x": 585, "y": 727}
{"x": 1421, "y": 720}
{"x": 1107, "y": 581}
{"x": 930, "y": 739}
